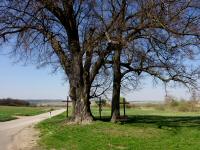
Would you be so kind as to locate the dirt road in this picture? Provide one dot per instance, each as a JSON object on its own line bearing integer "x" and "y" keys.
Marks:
{"x": 17, "y": 134}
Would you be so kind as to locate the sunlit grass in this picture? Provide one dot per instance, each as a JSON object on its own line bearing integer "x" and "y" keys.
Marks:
{"x": 10, "y": 112}
{"x": 146, "y": 129}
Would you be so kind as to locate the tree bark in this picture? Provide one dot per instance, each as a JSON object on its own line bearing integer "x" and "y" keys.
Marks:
{"x": 72, "y": 95}
{"x": 115, "y": 112}
{"x": 79, "y": 92}
{"x": 82, "y": 108}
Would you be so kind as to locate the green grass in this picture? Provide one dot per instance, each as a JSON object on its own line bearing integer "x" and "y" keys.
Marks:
{"x": 10, "y": 112}
{"x": 145, "y": 111}
{"x": 147, "y": 129}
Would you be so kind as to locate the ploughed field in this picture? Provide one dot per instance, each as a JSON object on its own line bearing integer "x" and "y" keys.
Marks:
{"x": 11, "y": 112}
{"x": 148, "y": 128}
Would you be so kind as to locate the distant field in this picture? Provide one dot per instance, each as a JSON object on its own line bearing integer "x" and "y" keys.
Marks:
{"x": 10, "y": 112}
{"x": 147, "y": 129}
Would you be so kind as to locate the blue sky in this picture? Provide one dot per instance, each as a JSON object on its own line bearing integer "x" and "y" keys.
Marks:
{"x": 28, "y": 82}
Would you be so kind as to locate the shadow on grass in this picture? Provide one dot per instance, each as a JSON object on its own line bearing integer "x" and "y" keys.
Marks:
{"x": 160, "y": 121}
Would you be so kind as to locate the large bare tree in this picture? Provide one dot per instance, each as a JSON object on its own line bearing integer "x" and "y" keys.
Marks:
{"x": 63, "y": 33}
{"x": 160, "y": 38}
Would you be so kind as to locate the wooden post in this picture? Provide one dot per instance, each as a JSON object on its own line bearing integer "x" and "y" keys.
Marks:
{"x": 124, "y": 106}
{"x": 100, "y": 107}
{"x": 67, "y": 101}
{"x": 67, "y": 105}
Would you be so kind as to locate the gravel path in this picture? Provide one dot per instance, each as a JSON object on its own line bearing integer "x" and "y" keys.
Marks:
{"x": 20, "y": 134}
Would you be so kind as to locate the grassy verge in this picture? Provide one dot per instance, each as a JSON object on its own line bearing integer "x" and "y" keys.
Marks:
{"x": 9, "y": 112}
{"x": 147, "y": 129}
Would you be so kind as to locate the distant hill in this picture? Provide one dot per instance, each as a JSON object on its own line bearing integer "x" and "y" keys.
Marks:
{"x": 45, "y": 102}
{"x": 13, "y": 102}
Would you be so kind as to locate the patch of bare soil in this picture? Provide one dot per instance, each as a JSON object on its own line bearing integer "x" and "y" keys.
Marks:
{"x": 25, "y": 139}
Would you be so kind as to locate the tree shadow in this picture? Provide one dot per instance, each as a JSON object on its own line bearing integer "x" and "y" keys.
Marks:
{"x": 160, "y": 121}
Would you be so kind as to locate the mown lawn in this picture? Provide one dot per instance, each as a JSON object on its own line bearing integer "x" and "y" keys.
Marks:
{"x": 10, "y": 112}
{"x": 147, "y": 129}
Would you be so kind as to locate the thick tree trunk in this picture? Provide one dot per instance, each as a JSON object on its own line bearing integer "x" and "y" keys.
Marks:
{"x": 72, "y": 94}
{"x": 115, "y": 112}
{"x": 82, "y": 107}
{"x": 79, "y": 93}
{"x": 81, "y": 112}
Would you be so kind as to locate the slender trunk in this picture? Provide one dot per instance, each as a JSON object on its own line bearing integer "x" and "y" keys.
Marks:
{"x": 86, "y": 90}
{"x": 115, "y": 112}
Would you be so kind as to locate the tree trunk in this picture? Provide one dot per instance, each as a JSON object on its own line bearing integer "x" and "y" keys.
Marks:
{"x": 79, "y": 93}
{"x": 115, "y": 112}
{"x": 72, "y": 95}
{"x": 80, "y": 105}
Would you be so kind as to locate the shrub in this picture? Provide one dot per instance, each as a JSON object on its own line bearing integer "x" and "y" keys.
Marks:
{"x": 103, "y": 102}
{"x": 131, "y": 106}
{"x": 160, "y": 107}
{"x": 107, "y": 105}
{"x": 150, "y": 105}
{"x": 174, "y": 103}
{"x": 187, "y": 106}
{"x": 171, "y": 101}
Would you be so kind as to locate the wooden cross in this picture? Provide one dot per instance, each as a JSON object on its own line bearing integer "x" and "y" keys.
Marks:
{"x": 67, "y": 105}
{"x": 124, "y": 106}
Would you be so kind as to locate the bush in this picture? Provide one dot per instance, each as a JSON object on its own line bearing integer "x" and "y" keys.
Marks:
{"x": 103, "y": 102}
{"x": 174, "y": 103}
{"x": 149, "y": 105}
{"x": 183, "y": 105}
{"x": 160, "y": 107}
{"x": 183, "y": 108}
{"x": 171, "y": 101}
{"x": 188, "y": 106}
{"x": 107, "y": 105}
{"x": 122, "y": 100}
{"x": 131, "y": 106}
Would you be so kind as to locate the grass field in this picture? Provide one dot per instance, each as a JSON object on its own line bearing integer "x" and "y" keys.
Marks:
{"x": 10, "y": 112}
{"x": 147, "y": 129}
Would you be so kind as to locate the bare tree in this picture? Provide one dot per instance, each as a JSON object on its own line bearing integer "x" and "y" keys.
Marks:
{"x": 62, "y": 33}
{"x": 160, "y": 38}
